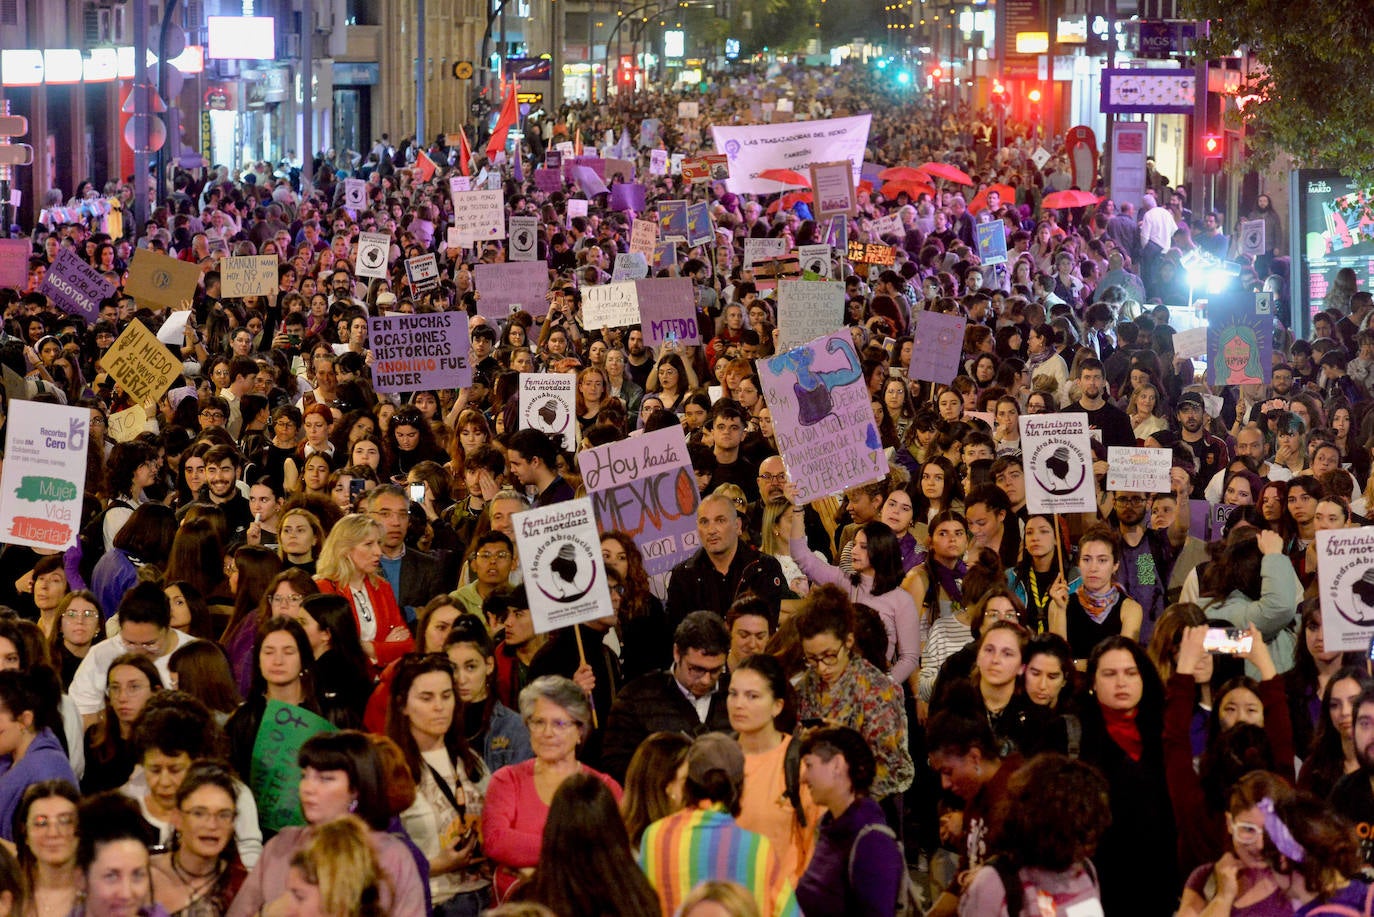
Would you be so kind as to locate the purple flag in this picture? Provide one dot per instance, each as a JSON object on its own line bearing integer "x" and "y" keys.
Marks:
{"x": 588, "y": 181}
{"x": 628, "y": 197}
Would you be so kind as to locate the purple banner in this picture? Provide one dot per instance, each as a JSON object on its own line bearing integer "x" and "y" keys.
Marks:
{"x": 668, "y": 310}
{"x": 644, "y": 486}
{"x": 75, "y": 287}
{"x": 595, "y": 163}
{"x": 14, "y": 263}
{"x": 628, "y": 197}
{"x": 823, "y": 417}
{"x": 548, "y": 180}
{"x": 587, "y": 179}
{"x": 509, "y": 284}
{"x": 419, "y": 351}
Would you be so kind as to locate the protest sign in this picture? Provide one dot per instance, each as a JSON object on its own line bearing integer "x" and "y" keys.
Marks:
{"x": 992, "y": 242}
{"x": 457, "y": 184}
{"x": 524, "y": 237}
{"x": 769, "y": 271}
{"x": 675, "y": 163}
{"x": 658, "y": 162}
{"x": 275, "y": 777}
{"x": 479, "y": 216}
{"x": 596, "y": 164}
{"x": 548, "y": 403}
{"x": 419, "y": 351}
{"x": 1345, "y": 581}
{"x": 700, "y": 229}
{"x": 141, "y": 364}
{"x": 630, "y": 266}
{"x": 667, "y": 309}
{"x": 374, "y": 251}
{"x": 645, "y": 487}
{"x": 814, "y": 259}
{"x": 624, "y": 169}
{"x": 553, "y": 159}
{"x": 610, "y": 305}
{"x": 890, "y": 225}
{"x": 1191, "y": 343}
{"x": 422, "y": 272}
{"x": 548, "y": 180}
{"x": 75, "y": 287}
{"x": 14, "y": 262}
{"x": 355, "y": 193}
{"x": 832, "y": 186}
{"x": 173, "y": 330}
{"x": 808, "y": 309}
{"x": 628, "y": 197}
{"x": 752, "y": 148}
{"x": 512, "y": 286}
{"x": 665, "y": 256}
{"x": 560, "y": 557}
{"x": 1251, "y": 240}
{"x": 643, "y": 237}
{"x": 1135, "y": 470}
{"x": 159, "y": 282}
{"x": 123, "y": 426}
{"x": 936, "y": 347}
{"x": 250, "y": 275}
{"x": 756, "y": 249}
{"x": 687, "y": 110}
{"x": 44, "y": 475}
{"x": 672, "y": 221}
{"x": 1057, "y": 455}
{"x": 870, "y": 253}
{"x": 577, "y": 207}
{"x": 823, "y": 418}
{"x": 1240, "y": 337}
{"x": 588, "y": 181}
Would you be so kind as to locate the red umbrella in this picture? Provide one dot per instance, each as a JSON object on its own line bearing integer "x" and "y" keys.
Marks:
{"x": 786, "y": 177}
{"x": 914, "y": 189}
{"x": 790, "y": 200}
{"x": 1071, "y": 198}
{"x": 947, "y": 172}
{"x": 980, "y": 200}
{"x": 903, "y": 173}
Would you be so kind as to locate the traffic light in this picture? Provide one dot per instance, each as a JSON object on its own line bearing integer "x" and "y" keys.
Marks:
{"x": 936, "y": 73}
{"x": 1213, "y": 151}
{"x": 1000, "y": 96}
{"x": 1033, "y": 96}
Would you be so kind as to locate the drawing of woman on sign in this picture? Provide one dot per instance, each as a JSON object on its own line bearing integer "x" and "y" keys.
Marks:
{"x": 1359, "y": 610}
{"x": 1240, "y": 355}
{"x": 1061, "y": 472}
{"x": 813, "y": 387}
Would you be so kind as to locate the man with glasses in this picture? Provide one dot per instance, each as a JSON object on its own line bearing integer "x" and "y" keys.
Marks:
{"x": 214, "y": 412}
{"x": 414, "y": 575}
{"x": 145, "y": 628}
{"x": 724, "y": 568}
{"x": 492, "y": 560}
{"x": 689, "y": 698}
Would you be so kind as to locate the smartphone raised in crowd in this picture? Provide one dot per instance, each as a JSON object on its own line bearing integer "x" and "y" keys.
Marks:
{"x": 417, "y": 492}
{"x": 1229, "y": 641}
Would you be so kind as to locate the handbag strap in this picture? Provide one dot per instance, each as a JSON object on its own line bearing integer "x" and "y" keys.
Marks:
{"x": 460, "y": 808}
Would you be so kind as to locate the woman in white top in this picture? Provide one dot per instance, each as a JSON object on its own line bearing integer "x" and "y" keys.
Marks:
{"x": 450, "y": 780}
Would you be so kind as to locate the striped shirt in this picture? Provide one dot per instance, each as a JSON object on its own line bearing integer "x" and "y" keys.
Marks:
{"x": 692, "y": 846}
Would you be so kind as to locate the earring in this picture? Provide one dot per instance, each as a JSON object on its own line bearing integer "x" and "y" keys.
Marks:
{"x": 353, "y": 806}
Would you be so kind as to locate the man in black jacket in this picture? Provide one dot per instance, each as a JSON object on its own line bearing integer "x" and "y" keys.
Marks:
{"x": 724, "y": 568}
{"x": 688, "y": 698}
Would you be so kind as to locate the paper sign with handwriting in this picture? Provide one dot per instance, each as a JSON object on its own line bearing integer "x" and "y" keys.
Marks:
{"x": 250, "y": 275}
{"x": 808, "y": 309}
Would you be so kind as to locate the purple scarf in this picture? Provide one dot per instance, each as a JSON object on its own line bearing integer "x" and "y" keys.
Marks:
{"x": 950, "y": 579}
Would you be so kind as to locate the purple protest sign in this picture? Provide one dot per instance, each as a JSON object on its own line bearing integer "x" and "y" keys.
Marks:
{"x": 590, "y": 183}
{"x": 595, "y": 163}
{"x": 75, "y": 287}
{"x": 515, "y": 283}
{"x": 419, "y": 351}
{"x": 667, "y": 310}
{"x": 644, "y": 486}
{"x": 14, "y": 263}
{"x": 628, "y": 197}
{"x": 823, "y": 417}
{"x": 548, "y": 180}
{"x": 938, "y": 344}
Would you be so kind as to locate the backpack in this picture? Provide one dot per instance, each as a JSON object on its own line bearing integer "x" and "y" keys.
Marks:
{"x": 1345, "y": 910}
{"x": 92, "y": 539}
{"x": 1015, "y": 890}
{"x": 908, "y": 902}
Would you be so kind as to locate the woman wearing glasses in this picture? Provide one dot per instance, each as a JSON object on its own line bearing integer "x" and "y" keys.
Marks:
{"x": 200, "y": 876}
{"x": 559, "y": 720}
{"x": 78, "y": 629}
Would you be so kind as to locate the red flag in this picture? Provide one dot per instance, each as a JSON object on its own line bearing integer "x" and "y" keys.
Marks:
{"x": 503, "y": 124}
{"x": 464, "y": 151}
{"x": 424, "y": 166}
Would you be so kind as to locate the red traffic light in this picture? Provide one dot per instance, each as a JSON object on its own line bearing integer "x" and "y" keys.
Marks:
{"x": 936, "y": 73}
{"x": 1211, "y": 145}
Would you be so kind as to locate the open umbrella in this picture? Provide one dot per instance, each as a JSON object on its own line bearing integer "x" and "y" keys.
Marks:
{"x": 946, "y": 171}
{"x": 1071, "y": 198}
{"x": 903, "y": 173}
{"x": 786, "y": 177}
{"x": 980, "y": 200}
{"x": 914, "y": 189}
{"x": 790, "y": 200}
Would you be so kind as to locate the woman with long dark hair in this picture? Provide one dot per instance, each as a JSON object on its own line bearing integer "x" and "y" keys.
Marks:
{"x": 645, "y": 634}
{"x": 489, "y": 725}
{"x": 131, "y": 680}
{"x": 283, "y": 670}
{"x": 254, "y": 570}
{"x": 45, "y": 843}
{"x": 343, "y": 677}
{"x": 1100, "y": 607}
{"x": 937, "y": 490}
{"x": 1314, "y": 666}
{"x": 450, "y": 780}
{"x": 1038, "y": 569}
{"x": 937, "y": 588}
{"x": 1332, "y": 753}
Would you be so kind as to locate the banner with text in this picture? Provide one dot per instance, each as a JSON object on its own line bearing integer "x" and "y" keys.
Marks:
{"x": 75, "y": 287}
{"x": 668, "y": 311}
{"x": 560, "y": 557}
{"x": 752, "y": 148}
{"x": 808, "y": 309}
{"x": 44, "y": 475}
{"x": 548, "y": 403}
{"x": 419, "y": 351}
{"x": 1058, "y": 459}
{"x": 511, "y": 286}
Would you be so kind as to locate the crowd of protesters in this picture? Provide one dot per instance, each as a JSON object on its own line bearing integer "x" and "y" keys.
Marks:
{"x": 917, "y": 677}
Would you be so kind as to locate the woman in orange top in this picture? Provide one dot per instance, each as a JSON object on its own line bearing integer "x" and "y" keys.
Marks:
{"x": 350, "y": 565}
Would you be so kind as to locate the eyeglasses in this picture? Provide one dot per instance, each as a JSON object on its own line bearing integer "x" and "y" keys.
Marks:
{"x": 218, "y": 816}
{"x": 539, "y": 724}
{"x": 73, "y": 614}
{"x": 212, "y": 415}
{"x": 773, "y": 478}
{"x": 150, "y": 646}
{"x": 64, "y": 824}
{"x": 1247, "y": 833}
{"x": 290, "y": 598}
{"x": 98, "y": 422}
{"x": 1131, "y": 501}
{"x": 489, "y": 556}
{"x": 827, "y": 658}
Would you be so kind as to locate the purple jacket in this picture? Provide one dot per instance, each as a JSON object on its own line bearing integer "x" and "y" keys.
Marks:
{"x": 827, "y": 888}
{"x": 45, "y": 760}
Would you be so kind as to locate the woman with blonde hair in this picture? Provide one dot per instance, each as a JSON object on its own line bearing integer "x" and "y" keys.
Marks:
{"x": 350, "y": 565}
{"x": 337, "y": 872}
{"x": 713, "y": 898}
{"x": 1143, "y": 409}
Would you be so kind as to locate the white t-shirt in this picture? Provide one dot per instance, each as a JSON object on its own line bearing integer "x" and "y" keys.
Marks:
{"x": 88, "y": 684}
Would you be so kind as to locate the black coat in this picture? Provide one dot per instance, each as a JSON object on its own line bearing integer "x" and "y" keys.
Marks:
{"x": 655, "y": 703}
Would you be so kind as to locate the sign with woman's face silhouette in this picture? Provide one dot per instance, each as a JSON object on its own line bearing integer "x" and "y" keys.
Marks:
{"x": 1345, "y": 582}
{"x": 548, "y": 403}
{"x": 1057, "y": 454}
{"x": 560, "y": 557}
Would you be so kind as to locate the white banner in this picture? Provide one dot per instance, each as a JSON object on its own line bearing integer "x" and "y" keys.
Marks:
{"x": 374, "y": 251}
{"x": 524, "y": 238}
{"x": 1144, "y": 471}
{"x": 479, "y": 216}
{"x": 548, "y": 402}
{"x": 44, "y": 474}
{"x": 751, "y": 148}
{"x": 610, "y": 305}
